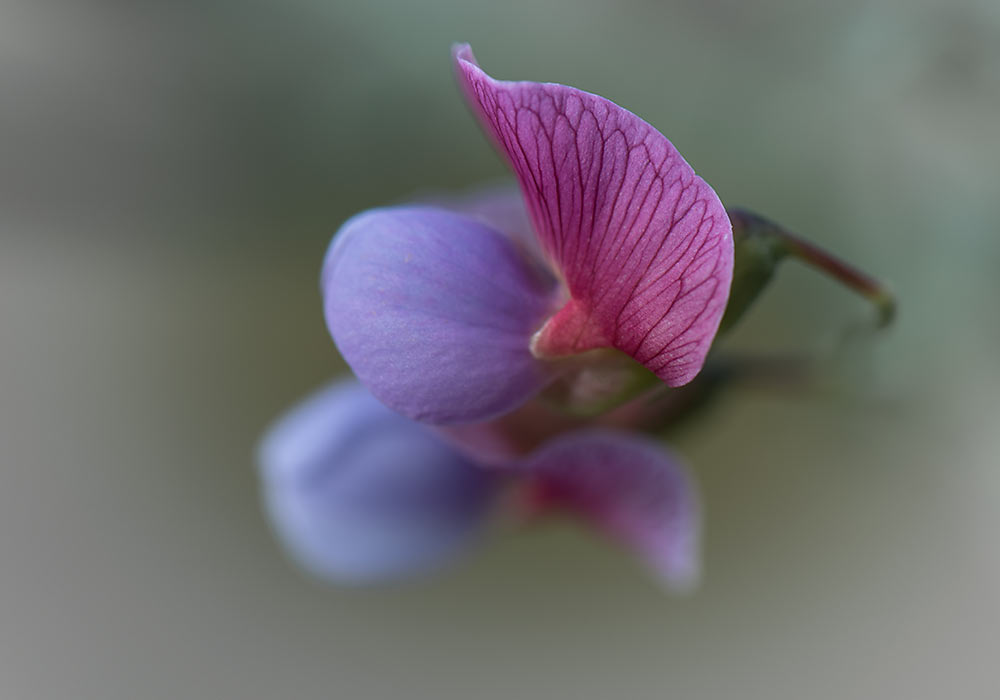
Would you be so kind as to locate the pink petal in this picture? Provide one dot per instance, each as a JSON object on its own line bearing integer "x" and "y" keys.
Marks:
{"x": 632, "y": 489}
{"x": 644, "y": 244}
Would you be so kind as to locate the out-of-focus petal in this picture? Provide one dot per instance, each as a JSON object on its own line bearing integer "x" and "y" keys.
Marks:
{"x": 644, "y": 244}
{"x": 360, "y": 494}
{"x": 632, "y": 489}
{"x": 500, "y": 206}
{"x": 434, "y": 312}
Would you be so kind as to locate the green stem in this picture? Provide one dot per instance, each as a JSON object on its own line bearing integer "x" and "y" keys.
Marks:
{"x": 749, "y": 226}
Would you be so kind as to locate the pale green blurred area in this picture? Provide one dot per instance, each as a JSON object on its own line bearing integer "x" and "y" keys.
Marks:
{"x": 170, "y": 176}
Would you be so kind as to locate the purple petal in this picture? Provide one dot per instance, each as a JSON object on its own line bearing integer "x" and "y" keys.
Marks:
{"x": 630, "y": 488}
{"x": 434, "y": 312}
{"x": 360, "y": 494}
{"x": 644, "y": 244}
{"x": 500, "y": 206}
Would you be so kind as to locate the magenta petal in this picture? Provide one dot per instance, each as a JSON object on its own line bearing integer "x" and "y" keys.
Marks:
{"x": 643, "y": 243}
{"x": 434, "y": 312}
{"x": 632, "y": 489}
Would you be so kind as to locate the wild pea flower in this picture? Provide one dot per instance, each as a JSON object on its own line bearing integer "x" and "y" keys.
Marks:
{"x": 360, "y": 494}
{"x": 458, "y": 316}
{"x": 448, "y": 320}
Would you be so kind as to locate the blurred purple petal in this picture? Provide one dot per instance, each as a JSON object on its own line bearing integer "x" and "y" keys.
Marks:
{"x": 434, "y": 312}
{"x": 631, "y": 488}
{"x": 359, "y": 494}
{"x": 644, "y": 244}
{"x": 500, "y": 206}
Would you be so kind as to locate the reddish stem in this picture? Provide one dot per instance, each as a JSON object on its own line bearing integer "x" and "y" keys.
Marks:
{"x": 849, "y": 275}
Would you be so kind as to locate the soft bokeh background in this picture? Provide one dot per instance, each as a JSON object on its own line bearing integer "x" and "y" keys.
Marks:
{"x": 170, "y": 174}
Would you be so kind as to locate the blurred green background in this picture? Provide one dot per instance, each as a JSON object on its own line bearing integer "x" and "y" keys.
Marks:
{"x": 171, "y": 173}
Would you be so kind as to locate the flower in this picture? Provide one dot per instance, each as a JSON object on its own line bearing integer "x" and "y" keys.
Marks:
{"x": 360, "y": 494}
{"x": 454, "y": 317}
{"x": 448, "y": 318}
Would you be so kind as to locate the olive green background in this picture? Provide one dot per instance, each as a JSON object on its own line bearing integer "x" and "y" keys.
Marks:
{"x": 170, "y": 174}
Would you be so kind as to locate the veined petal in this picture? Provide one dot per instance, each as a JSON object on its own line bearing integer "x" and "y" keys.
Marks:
{"x": 632, "y": 489}
{"x": 360, "y": 494}
{"x": 643, "y": 243}
{"x": 434, "y": 312}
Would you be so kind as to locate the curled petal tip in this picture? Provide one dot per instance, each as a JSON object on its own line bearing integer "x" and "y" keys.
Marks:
{"x": 462, "y": 51}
